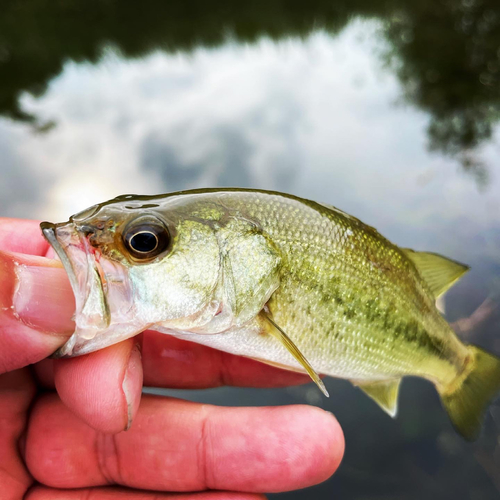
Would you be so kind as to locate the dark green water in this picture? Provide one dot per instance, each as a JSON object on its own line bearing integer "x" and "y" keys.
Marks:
{"x": 388, "y": 110}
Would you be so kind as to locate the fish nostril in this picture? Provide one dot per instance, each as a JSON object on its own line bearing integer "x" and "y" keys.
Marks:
{"x": 86, "y": 229}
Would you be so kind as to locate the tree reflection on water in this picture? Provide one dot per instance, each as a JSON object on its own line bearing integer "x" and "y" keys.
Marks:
{"x": 446, "y": 56}
{"x": 446, "y": 52}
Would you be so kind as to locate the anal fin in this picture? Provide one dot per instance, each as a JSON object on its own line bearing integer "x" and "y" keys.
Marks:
{"x": 287, "y": 342}
{"x": 384, "y": 393}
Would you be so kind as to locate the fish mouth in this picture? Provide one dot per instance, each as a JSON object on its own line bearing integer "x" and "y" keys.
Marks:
{"x": 49, "y": 232}
{"x": 103, "y": 295}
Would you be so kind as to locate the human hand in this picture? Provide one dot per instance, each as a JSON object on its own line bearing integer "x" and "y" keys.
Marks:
{"x": 71, "y": 444}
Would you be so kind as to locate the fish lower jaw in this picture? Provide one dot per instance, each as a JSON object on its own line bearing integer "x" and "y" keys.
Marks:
{"x": 67, "y": 349}
{"x": 84, "y": 341}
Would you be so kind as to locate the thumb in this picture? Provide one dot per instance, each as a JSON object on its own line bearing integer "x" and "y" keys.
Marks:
{"x": 104, "y": 387}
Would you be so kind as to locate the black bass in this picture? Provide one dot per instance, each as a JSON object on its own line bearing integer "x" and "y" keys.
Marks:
{"x": 277, "y": 278}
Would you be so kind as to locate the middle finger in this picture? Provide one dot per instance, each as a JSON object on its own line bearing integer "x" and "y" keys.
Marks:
{"x": 175, "y": 363}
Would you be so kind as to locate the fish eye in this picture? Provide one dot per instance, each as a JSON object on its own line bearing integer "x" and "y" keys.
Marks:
{"x": 147, "y": 240}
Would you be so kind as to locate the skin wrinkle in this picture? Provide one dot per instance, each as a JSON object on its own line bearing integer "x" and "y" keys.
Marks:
{"x": 108, "y": 456}
{"x": 224, "y": 376}
{"x": 6, "y": 273}
{"x": 205, "y": 454}
{"x": 117, "y": 459}
{"x": 128, "y": 404}
{"x": 104, "y": 444}
{"x": 21, "y": 440}
{"x": 22, "y": 383}
{"x": 6, "y": 473}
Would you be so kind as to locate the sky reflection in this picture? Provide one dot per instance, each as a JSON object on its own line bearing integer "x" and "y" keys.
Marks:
{"x": 320, "y": 117}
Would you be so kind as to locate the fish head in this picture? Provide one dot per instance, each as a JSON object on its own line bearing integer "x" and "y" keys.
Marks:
{"x": 133, "y": 265}
{"x": 174, "y": 265}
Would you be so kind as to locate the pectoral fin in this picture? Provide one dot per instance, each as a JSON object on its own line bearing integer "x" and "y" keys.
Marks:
{"x": 384, "y": 393}
{"x": 439, "y": 272}
{"x": 285, "y": 340}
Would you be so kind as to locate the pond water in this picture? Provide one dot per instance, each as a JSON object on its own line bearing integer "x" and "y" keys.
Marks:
{"x": 387, "y": 110}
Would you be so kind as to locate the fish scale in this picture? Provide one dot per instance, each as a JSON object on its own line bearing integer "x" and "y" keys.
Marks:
{"x": 330, "y": 256}
{"x": 284, "y": 280}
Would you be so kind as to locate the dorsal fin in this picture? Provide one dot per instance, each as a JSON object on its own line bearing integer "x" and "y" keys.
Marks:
{"x": 439, "y": 272}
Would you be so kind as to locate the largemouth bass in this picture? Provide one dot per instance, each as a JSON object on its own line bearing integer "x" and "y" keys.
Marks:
{"x": 277, "y": 278}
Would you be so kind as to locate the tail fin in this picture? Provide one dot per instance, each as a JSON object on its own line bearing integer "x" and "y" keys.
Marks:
{"x": 467, "y": 400}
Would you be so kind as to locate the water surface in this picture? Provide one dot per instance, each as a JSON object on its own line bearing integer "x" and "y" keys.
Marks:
{"x": 388, "y": 110}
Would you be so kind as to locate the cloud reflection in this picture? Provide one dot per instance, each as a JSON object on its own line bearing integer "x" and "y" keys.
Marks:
{"x": 315, "y": 117}
{"x": 253, "y": 116}
{"x": 256, "y": 116}
{"x": 444, "y": 54}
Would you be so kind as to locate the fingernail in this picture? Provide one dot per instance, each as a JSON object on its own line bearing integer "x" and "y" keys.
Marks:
{"x": 132, "y": 384}
{"x": 43, "y": 299}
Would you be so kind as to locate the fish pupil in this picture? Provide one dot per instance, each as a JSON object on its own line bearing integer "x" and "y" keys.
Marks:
{"x": 144, "y": 242}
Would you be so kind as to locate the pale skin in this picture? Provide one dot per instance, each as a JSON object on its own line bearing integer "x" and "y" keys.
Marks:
{"x": 62, "y": 421}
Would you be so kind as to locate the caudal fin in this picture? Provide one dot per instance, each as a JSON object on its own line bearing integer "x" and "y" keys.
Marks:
{"x": 467, "y": 400}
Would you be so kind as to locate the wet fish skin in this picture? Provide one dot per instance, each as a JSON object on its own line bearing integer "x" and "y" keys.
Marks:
{"x": 355, "y": 305}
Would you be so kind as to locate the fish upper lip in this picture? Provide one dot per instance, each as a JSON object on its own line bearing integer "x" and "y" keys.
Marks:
{"x": 49, "y": 232}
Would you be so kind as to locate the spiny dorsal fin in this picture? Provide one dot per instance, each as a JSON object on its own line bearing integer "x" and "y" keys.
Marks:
{"x": 384, "y": 393}
{"x": 439, "y": 272}
{"x": 285, "y": 340}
